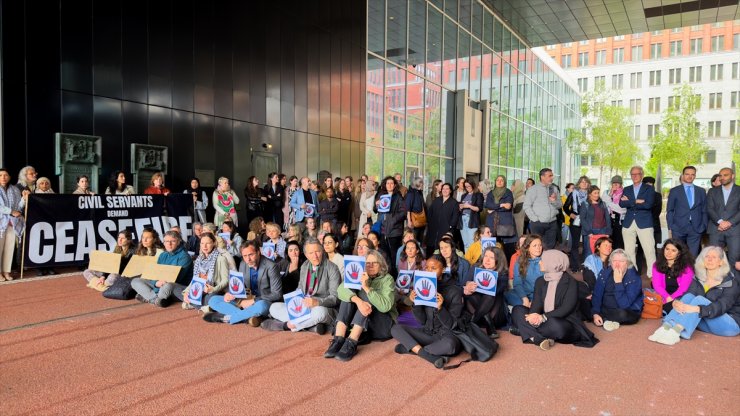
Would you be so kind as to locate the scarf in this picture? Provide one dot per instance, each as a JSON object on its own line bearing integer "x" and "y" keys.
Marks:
{"x": 198, "y": 193}
{"x": 578, "y": 197}
{"x": 10, "y": 197}
{"x": 499, "y": 192}
{"x": 617, "y": 195}
{"x": 226, "y": 202}
{"x": 594, "y": 263}
{"x": 555, "y": 263}
{"x": 206, "y": 265}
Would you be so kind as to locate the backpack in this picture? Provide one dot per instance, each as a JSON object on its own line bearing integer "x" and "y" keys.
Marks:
{"x": 475, "y": 342}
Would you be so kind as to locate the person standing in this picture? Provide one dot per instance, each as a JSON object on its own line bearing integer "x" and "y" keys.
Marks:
{"x": 443, "y": 216}
{"x": 274, "y": 205}
{"x": 686, "y": 212}
{"x": 11, "y": 222}
{"x": 612, "y": 197}
{"x": 723, "y": 209}
{"x": 638, "y": 199}
{"x": 572, "y": 207}
{"x": 301, "y": 197}
{"x": 541, "y": 204}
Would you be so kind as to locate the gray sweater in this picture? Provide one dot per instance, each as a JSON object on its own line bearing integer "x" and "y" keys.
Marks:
{"x": 537, "y": 205}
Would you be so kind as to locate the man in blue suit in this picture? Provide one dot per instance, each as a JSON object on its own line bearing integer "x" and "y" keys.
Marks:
{"x": 686, "y": 211}
{"x": 302, "y": 197}
{"x": 637, "y": 222}
{"x": 723, "y": 210}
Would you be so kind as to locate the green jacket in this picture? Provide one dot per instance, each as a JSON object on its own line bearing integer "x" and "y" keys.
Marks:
{"x": 381, "y": 295}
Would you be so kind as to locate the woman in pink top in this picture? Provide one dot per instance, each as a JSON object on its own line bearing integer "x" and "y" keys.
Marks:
{"x": 673, "y": 272}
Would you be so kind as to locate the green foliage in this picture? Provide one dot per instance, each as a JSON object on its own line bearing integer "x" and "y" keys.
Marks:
{"x": 606, "y": 132}
{"x": 678, "y": 142}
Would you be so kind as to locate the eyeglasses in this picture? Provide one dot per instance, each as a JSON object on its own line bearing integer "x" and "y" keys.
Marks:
{"x": 371, "y": 263}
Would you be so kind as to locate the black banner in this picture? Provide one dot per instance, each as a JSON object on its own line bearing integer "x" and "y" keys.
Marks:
{"x": 61, "y": 230}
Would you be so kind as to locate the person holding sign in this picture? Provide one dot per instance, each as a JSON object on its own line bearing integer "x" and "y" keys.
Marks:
{"x": 319, "y": 281}
{"x": 290, "y": 266}
{"x": 11, "y": 222}
{"x": 261, "y": 277}
{"x": 434, "y": 341}
{"x": 472, "y": 255}
{"x": 301, "y": 199}
{"x": 96, "y": 279}
{"x": 455, "y": 266}
{"x": 231, "y": 237}
{"x": 158, "y": 292}
{"x": 272, "y": 230}
{"x": 553, "y": 315}
{"x": 211, "y": 266}
{"x": 392, "y": 218}
{"x": 370, "y": 310}
{"x": 484, "y": 289}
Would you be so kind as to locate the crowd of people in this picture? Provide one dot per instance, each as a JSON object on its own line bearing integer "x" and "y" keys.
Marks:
{"x": 560, "y": 260}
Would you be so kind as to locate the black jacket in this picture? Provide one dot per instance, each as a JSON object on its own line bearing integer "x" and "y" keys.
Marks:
{"x": 474, "y": 221}
{"x": 442, "y": 321}
{"x": 441, "y": 218}
{"x": 392, "y": 225}
{"x": 275, "y": 198}
{"x": 566, "y": 307}
{"x": 725, "y": 298}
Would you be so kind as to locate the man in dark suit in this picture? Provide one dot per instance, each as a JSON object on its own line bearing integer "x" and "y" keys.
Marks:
{"x": 686, "y": 212}
{"x": 723, "y": 209}
{"x": 262, "y": 278}
{"x": 637, "y": 222}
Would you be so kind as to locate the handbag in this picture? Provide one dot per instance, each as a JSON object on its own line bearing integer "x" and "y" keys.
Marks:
{"x": 120, "y": 290}
{"x": 652, "y": 307}
{"x": 419, "y": 219}
{"x": 476, "y": 343}
{"x": 502, "y": 230}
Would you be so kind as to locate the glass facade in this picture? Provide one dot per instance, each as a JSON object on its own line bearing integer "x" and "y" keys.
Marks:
{"x": 421, "y": 54}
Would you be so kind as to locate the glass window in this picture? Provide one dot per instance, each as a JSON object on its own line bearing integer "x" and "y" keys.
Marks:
{"x": 582, "y": 85}
{"x": 734, "y": 99}
{"x": 636, "y": 80}
{"x": 488, "y": 28}
{"x": 434, "y": 66}
{"x": 695, "y": 46}
{"x": 601, "y": 57}
{"x": 374, "y": 96}
{"x": 714, "y": 128}
{"x": 636, "y": 53}
{"x": 396, "y": 35}
{"x": 477, "y": 21}
{"x": 654, "y": 105}
{"x": 695, "y": 74}
{"x": 617, "y": 81}
{"x": 675, "y": 46}
{"x": 655, "y": 78}
{"x": 715, "y": 101}
{"x": 451, "y": 9}
{"x": 376, "y": 26}
{"x": 735, "y": 70}
{"x": 674, "y": 76}
{"x": 618, "y": 55}
{"x": 734, "y": 127}
{"x": 636, "y": 106}
{"x": 715, "y": 72}
{"x": 565, "y": 61}
{"x": 450, "y": 54}
{"x": 718, "y": 43}
{"x": 464, "y": 13}
{"x": 656, "y": 50}
{"x": 583, "y": 59}
{"x": 417, "y": 29}
{"x": 395, "y": 99}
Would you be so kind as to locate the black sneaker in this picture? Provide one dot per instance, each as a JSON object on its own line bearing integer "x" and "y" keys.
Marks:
{"x": 162, "y": 303}
{"x": 400, "y": 349}
{"x": 514, "y": 331}
{"x": 141, "y": 298}
{"x": 494, "y": 334}
{"x": 334, "y": 347}
{"x": 318, "y": 329}
{"x": 273, "y": 325}
{"x": 214, "y": 317}
{"x": 349, "y": 349}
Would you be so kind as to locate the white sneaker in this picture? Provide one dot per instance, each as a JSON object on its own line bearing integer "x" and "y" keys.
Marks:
{"x": 668, "y": 337}
{"x": 611, "y": 325}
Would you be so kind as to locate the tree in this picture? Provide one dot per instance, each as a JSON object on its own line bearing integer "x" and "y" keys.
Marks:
{"x": 678, "y": 142}
{"x": 605, "y": 135}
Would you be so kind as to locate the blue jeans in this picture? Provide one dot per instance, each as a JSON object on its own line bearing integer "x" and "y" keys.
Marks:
{"x": 237, "y": 314}
{"x": 723, "y": 325}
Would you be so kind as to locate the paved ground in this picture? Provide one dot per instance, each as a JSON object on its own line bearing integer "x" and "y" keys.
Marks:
{"x": 64, "y": 349}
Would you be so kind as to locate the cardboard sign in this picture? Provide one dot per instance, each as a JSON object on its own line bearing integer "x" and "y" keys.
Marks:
{"x": 297, "y": 311}
{"x": 195, "y": 291}
{"x": 425, "y": 286}
{"x": 106, "y": 262}
{"x": 268, "y": 250}
{"x": 138, "y": 264}
{"x": 485, "y": 281}
{"x": 226, "y": 237}
{"x": 162, "y": 272}
{"x": 310, "y": 210}
{"x": 354, "y": 267}
{"x": 385, "y": 203}
{"x": 404, "y": 280}
{"x": 487, "y": 242}
{"x": 236, "y": 284}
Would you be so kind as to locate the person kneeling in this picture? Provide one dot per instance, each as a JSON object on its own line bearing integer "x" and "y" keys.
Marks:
{"x": 319, "y": 280}
{"x": 262, "y": 277}
{"x": 554, "y": 314}
{"x": 712, "y": 304}
{"x": 371, "y": 310}
{"x": 434, "y": 341}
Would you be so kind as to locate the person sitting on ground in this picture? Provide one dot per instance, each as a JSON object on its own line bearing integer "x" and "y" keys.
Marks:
{"x": 97, "y": 280}
{"x": 331, "y": 244}
{"x": 673, "y": 272}
{"x": 370, "y": 311}
{"x": 346, "y": 240}
{"x": 220, "y": 244}
{"x": 232, "y": 239}
{"x": 434, "y": 341}
{"x": 319, "y": 280}
{"x": 408, "y": 234}
{"x": 262, "y": 278}
{"x": 485, "y": 308}
{"x": 514, "y": 258}
{"x": 294, "y": 233}
{"x": 455, "y": 266}
{"x": 363, "y": 246}
{"x": 193, "y": 244}
{"x": 311, "y": 230}
{"x": 290, "y": 266}
{"x": 527, "y": 271}
{"x": 210, "y": 266}
{"x": 258, "y": 229}
{"x": 472, "y": 255}
{"x": 553, "y": 315}
{"x": 272, "y": 230}
{"x": 711, "y": 305}
{"x": 617, "y": 295}
{"x": 411, "y": 257}
{"x": 158, "y": 292}
{"x": 592, "y": 266}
